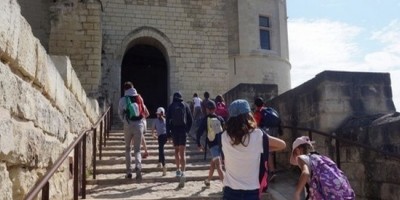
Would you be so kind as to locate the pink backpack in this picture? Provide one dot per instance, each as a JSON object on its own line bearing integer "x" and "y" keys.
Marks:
{"x": 221, "y": 110}
{"x": 327, "y": 180}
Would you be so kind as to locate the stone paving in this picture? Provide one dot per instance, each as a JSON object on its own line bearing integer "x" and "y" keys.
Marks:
{"x": 110, "y": 180}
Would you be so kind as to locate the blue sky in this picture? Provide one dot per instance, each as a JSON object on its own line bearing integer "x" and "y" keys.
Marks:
{"x": 345, "y": 35}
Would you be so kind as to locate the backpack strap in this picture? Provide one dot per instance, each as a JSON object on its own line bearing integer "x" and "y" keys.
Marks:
{"x": 263, "y": 174}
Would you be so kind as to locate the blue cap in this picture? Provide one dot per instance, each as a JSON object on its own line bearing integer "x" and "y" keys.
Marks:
{"x": 239, "y": 107}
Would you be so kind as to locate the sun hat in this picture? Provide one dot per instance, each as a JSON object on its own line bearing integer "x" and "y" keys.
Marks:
{"x": 238, "y": 107}
{"x": 131, "y": 92}
{"x": 160, "y": 110}
{"x": 299, "y": 141}
{"x": 210, "y": 104}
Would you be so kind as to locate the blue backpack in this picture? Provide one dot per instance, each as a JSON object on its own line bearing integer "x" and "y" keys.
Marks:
{"x": 269, "y": 118}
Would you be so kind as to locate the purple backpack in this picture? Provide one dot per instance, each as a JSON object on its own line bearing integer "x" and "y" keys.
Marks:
{"x": 327, "y": 180}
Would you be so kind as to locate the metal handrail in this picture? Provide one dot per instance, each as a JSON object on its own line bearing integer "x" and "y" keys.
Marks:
{"x": 77, "y": 145}
{"x": 343, "y": 140}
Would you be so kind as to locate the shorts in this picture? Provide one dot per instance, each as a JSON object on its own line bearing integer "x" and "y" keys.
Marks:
{"x": 215, "y": 152}
{"x": 179, "y": 136}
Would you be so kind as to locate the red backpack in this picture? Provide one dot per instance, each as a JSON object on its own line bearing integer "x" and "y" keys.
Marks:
{"x": 221, "y": 110}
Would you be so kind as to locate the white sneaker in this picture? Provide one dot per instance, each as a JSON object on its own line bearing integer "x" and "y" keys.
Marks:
{"x": 164, "y": 171}
{"x": 159, "y": 165}
{"x": 182, "y": 180}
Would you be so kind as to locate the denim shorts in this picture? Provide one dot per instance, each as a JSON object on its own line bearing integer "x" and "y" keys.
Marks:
{"x": 215, "y": 152}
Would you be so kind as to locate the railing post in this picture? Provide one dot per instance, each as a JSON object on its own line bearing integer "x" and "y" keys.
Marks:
{"x": 76, "y": 171}
{"x": 337, "y": 153}
{"x": 94, "y": 152}
{"x": 109, "y": 122}
{"x": 103, "y": 127}
{"x": 310, "y": 134}
{"x": 46, "y": 191}
{"x": 101, "y": 139}
{"x": 84, "y": 166}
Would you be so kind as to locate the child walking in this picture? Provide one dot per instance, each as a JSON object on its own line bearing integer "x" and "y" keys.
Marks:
{"x": 160, "y": 128}
{"x": 212, "y": 125}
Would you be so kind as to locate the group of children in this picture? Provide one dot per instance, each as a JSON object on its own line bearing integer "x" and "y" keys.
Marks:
{"x": 237, "y": 144}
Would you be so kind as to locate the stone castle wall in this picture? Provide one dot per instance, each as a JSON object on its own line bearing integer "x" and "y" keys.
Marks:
{"x": 192, "y": 35}
{"x": 42, "y": 108}
{"x": 330, "y": 100}
{"x": 76, "y": 32}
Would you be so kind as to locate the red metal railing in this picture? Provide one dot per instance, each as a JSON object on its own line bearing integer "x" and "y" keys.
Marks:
{"x": 79, "y": 147}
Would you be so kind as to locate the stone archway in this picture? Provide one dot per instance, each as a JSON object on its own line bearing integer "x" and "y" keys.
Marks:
{"x": 146, "y": 67}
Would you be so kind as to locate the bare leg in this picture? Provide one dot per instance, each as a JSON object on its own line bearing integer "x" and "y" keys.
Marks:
{"x": 219, "y": 169}
{"x": 211, "y": 170}
{"x": 182, "y": 155}
{"x": 144, "y": 147}
{"x": 177, "y": 157}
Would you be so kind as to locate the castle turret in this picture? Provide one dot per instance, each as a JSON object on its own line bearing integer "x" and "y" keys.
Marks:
{"x": 258, "y": 43}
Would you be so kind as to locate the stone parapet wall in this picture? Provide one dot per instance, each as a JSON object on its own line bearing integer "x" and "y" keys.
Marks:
{"x": 330, "y": 100}
{"x": 43, "y": 107}
{"x": 373, "y": 175}
{"x": 76, "y": 32}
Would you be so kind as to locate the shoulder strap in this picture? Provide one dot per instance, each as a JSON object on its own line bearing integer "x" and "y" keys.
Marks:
{"x": 265, "y": 145}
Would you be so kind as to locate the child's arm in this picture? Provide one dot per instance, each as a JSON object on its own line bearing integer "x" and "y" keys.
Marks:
{"x": 276, "y": 144}
{"x": 153, "y": 131}
{"x": 305, "y": 175}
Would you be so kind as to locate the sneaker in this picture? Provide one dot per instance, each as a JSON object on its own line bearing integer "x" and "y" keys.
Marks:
{"x": 128, "y": 176}
{"x": 182, "y": 180}
{"x": 164, "y": 171}
{"x": 178, "y": 173}
{"x": 207, "y": 183}
{"x": 138, "y": 174}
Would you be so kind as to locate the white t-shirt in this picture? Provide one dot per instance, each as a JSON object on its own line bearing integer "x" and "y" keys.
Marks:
{"x": 242, "y": 163}
{"x": 197, "y": 101}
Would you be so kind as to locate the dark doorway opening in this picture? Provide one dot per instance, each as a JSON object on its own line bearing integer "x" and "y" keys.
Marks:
{"x": 146, "y": 67}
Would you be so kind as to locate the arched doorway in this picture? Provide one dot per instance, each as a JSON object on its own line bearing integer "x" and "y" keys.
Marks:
{"x": 146, "y": 67}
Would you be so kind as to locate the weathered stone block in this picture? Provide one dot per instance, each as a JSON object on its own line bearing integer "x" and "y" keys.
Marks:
{"x": 390, "y": 191}
{"x": 50, "y": 80}
{"x": 6, "y": 184}
{"x": 9, "y": 30}
{"x": 8, "y": 91}
{"x": 41, "y": 66}
{"x": 60, "y": 93}
{"x": 23, "y": 180}
{"x": 26, "y": 57}
{"x": 64, "y": 67}
{"x": 6, "y": 136}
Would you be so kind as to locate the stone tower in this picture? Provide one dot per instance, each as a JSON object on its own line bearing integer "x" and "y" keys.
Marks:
{"x": 164, "y": 46}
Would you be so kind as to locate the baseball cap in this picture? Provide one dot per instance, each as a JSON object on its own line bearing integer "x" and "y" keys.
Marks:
{"x": 238, "y": 107}
{"x": 160, "y": 110}
{"x": 131, "y": 92}
{"x": 299, "y": 141}
{"x": 210, "y": 104}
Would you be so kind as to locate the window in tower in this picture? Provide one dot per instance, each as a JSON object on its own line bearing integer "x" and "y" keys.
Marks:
{"x": 265, "y": 30}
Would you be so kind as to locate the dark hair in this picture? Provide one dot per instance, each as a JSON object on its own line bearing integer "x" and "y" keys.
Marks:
{"x": 239, "y": 127}
{"x": 305, "y": 148}
{"x": 128, "y": 85}
{"x": 219, "y": 99}
{"x": 259, "y": 101}
{"x": 206, "y": 95}
{"x": 195, "y": 95}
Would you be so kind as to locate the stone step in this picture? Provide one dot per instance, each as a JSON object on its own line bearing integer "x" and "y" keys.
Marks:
{"x": 168, "y": 159}
{"x": 151, "y": 152}
{"x": 121, "y": 169}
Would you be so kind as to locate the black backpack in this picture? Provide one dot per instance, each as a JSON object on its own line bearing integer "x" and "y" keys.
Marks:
{"x": 178, "y": 114}
{"x": 263, "y": 173}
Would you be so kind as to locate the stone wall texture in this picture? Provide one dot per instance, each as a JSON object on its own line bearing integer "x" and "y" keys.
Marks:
{"x": 42, "y": 108}
{"x": 330, "y": 100}
{"x": 76, "y": 32}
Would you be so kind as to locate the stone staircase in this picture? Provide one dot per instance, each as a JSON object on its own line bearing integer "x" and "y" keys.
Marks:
{"x": 110, "y": 182}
